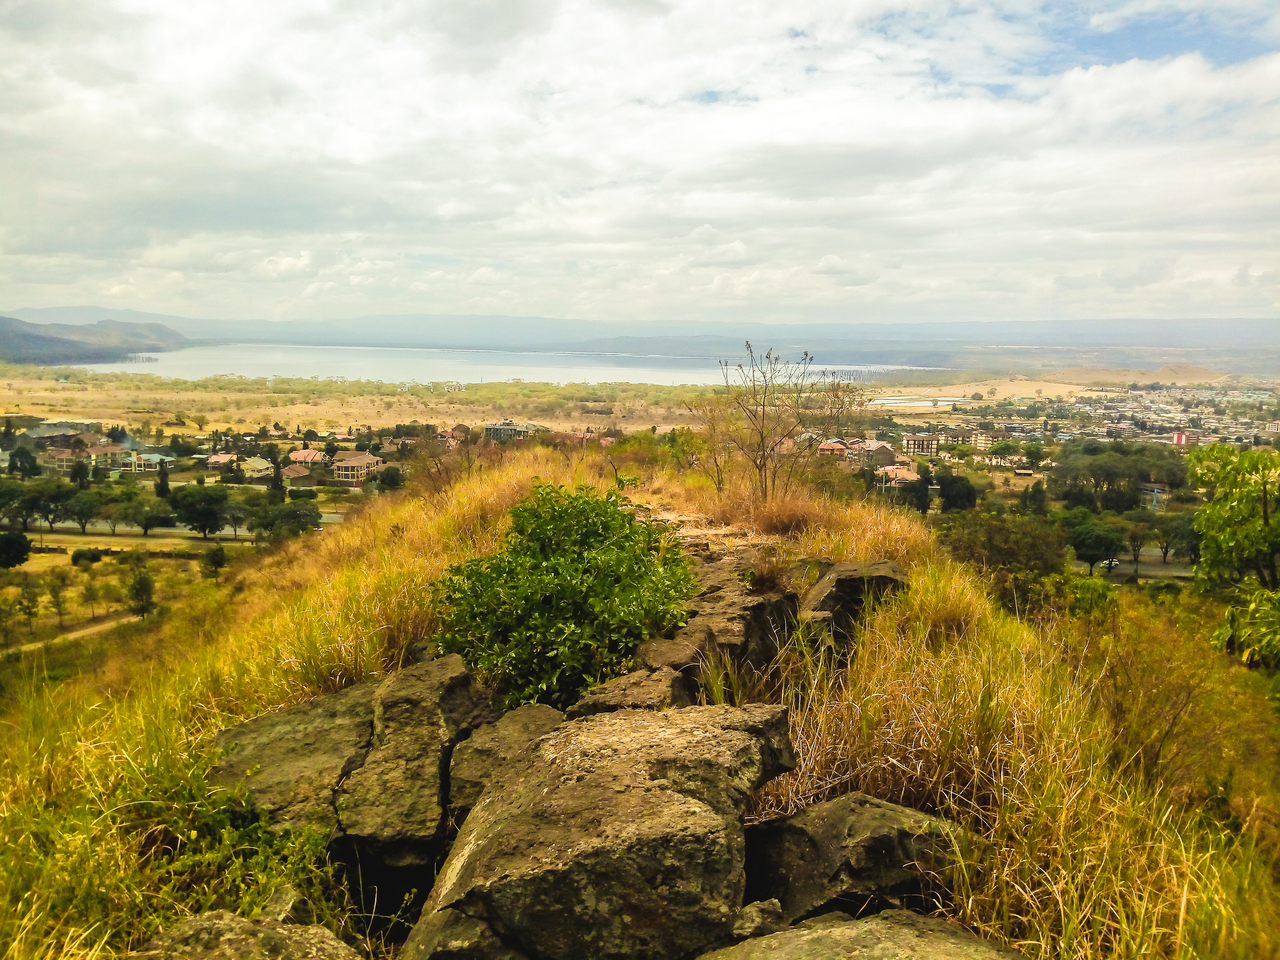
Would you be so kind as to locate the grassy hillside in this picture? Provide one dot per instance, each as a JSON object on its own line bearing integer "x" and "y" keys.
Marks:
{"x": 1037, "y": 736}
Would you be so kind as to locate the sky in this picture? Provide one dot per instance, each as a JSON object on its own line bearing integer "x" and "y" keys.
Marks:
{"x": 641, "y": 160}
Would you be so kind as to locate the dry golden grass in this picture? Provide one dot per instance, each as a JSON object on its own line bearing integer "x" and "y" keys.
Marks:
{"x": 949, "y": 704}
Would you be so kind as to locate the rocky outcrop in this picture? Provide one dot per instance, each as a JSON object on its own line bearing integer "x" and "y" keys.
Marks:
{"x": 619, "y": 836}
{"x": 219, "y": 935}
{"x": 853, "y": 852}
{"x": 661, "y": 689}
{"x": 838, "y": 599}
{"x": 725, "y": 617}
{"x": 493, "y": 748}
{"x": 892, "y": 935}
{"x": 612, "y": 832}
{"x": 368, "y": 766}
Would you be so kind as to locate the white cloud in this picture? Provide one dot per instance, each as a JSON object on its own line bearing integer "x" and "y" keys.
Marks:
{"x": 633, "y": 159}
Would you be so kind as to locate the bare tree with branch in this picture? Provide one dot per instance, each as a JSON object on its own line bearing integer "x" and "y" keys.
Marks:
{"x": 768, "y": 396}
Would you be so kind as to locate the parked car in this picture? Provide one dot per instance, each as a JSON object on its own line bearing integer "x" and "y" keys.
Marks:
{"x": 1110, "y": 564}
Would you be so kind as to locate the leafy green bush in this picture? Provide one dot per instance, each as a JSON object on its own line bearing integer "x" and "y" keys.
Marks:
{"x": 85, "y": 555}
{"x": 577, "y": 584}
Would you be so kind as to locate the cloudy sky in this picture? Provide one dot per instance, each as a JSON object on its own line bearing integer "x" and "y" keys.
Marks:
{"x": 859, "y": 160}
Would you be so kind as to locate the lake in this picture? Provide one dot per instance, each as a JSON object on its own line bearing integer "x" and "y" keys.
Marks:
{"x": 421, "y": 365}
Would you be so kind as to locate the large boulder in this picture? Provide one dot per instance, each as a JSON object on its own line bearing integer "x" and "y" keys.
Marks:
{"x": 661, "y": 689}
{"x": 365, "y": 766}
{"x": 851, "y": 852}
{"x": 617, "y": 836}
{"x": 219, "y": 935}
{"x": 724, "y": 617}
{"x": 494, "y": 748}
{"x": 892, "y": 935}
{"x": 293, "y": 761}
{"x": 838, "y": 599}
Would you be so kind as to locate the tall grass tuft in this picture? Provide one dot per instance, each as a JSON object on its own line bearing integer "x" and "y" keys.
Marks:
{"x": 948, "y": 704}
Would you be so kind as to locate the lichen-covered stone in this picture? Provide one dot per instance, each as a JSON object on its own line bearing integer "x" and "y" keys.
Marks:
{"x": 619, "y": 836}
{"x": 844, "y": 852}
{"x": 724, "y": 617}
{"x": 661, "y": 689}
{"x": 840, "y": 596}
{"x": 366, "y": 766}
{"x": 892, "y": 935}
{"x": 219, "y": 935}
{"x": 491, "y": 749}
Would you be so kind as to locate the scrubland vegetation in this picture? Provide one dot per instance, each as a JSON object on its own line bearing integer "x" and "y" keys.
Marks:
{"x": 1117, "y": 775}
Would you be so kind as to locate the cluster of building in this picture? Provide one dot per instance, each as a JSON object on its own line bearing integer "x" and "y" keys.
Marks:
{"x": 1182, "y": 416}
{"x": 60, "y": 444}
{"x": 893, "y": 466}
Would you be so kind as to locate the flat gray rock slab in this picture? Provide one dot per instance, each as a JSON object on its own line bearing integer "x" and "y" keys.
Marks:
{"x": 219, "y": 935}
{"x": 892, "y": 935}
{"x": 619, "y": 836}
{"x": 852, "y": 848}
{"x": 661, "y": 689}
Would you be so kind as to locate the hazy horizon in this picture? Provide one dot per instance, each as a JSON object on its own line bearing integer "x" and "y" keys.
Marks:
{"x": 644, "y": 162}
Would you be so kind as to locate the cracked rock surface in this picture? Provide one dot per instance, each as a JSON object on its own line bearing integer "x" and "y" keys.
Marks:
{"x": 619, "y": 835}
{"x": 368, "y": 765}
{"x": 724, "y": 616}
{"x": 847, "y": 852}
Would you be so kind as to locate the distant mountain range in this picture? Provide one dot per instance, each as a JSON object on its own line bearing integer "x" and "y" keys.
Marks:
{"x": 1243, "y": 346}
{"x": 105, "y": 341}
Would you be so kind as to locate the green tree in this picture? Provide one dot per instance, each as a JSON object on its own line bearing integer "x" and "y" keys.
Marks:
{"x": 1164, "y": 532}
{"x": 1137, "y": 534}
{"x": 8, "y": 614}
{"x": 140, "y": 591}
{"x": 83, "y": 507}
{"x": 162, "y": 481}
{"x": 200, "y": 509}
{"x": 146, "y": 513}
{"x": 278, "y": 521}
{"x": 55, "y": 586}
{"x": 1034, "y": 453}
{"x": 53, "y": 494}
{"x": 22, "y": 461}
{"x": 1239, "y": 524}
{"x": 1034, "y": 500}
{"x": 391, "y": 478}
{"x": 1014, "y": 550}
{"x": 29, "y": 601}
{"x": 236, "y": 514}
{"x": 915, "y": 493}
{"x": 15, "y": 549}
{"x": 25, "y": 508}
{"x": 1095, "y": 541}
{"x": 955, "y": 492}
{"x": 80, "y": 475}
{"x": 211, "y": 564}
{"x": 89, "y": 596}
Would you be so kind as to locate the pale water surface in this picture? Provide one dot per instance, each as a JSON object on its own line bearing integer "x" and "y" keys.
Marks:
{"x": 408, "y": 364}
